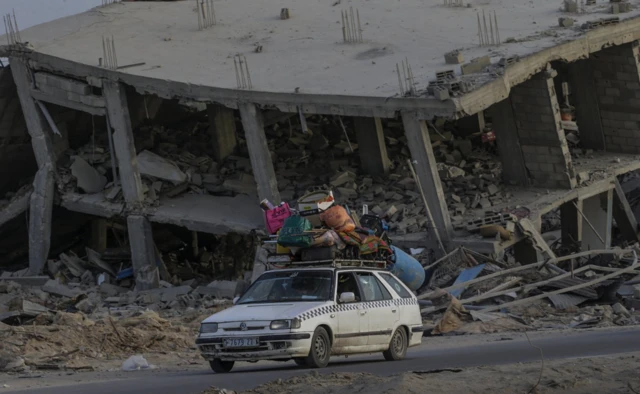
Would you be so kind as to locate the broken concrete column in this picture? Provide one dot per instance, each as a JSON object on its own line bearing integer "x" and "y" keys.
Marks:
{"x": 623, "y": 215}
{"x": 373, "y": 151}
{"x": 41, "y": 201}
{"x": 542, "y": 139}
{"x": 598, "y": 211}
{"x": 143, "y": 252}
{"x": 514, "y": 171}
{"x": 419, "y": 143}
{"x": 617, "y": 82}
{"x": 222, "y": 127}
{"x": 40, "y": 217}
{"x": 123, "y": 141}
{"x": 259, "y": 153}
{"x": 585, "y": 97}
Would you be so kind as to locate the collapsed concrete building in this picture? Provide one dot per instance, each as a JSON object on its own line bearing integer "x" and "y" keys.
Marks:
{"x": 110, "y": 69}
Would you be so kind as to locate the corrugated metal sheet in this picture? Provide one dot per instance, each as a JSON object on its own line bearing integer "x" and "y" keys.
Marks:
{"x": 563, "y": 301}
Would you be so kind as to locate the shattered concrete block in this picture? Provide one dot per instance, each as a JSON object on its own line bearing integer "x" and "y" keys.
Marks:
{"x": 284, "y": 14}
{"x": 566, "y": 22}
{"x": 619, "y": 309}
{"x": 347, "y": 193}
{"x": 342, "y": 178}
{"x": 492, "y": 189}
{"x": 85, "y": 306}
{"x": 392, "y": 210}
{"x": 55, "y": 288}
{"x": 476, "y": 65}
{"x": 110, "y": 290}
{"x": 156, "y": 166}
{"x": 219, "y": 288}
{"x": 89, "y": 180}
{"x": 454, "y": 57}
{"x": 570, "y": 6}
{"x": 583, "y": 177}
{"x": 485, "y": 203}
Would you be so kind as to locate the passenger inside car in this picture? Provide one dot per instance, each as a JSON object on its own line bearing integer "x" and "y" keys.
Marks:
{"x": 347, "y": 284}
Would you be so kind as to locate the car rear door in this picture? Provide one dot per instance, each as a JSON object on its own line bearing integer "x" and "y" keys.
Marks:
{"x": 382, "y": 311}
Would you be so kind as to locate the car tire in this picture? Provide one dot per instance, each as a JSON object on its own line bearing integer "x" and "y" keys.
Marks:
{"x": 219, "y": 366}
{"x": 301, "y": 361}
{"x": 398, "y": 346}
{"x": 320, "y": 351}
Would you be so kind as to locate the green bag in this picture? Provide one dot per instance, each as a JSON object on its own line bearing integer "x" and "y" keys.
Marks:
{"x": 292, "y": 233}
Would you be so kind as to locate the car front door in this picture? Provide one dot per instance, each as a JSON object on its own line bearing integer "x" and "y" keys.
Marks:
{"x": 382, "y": 311}
{"x": 353, "y": 322}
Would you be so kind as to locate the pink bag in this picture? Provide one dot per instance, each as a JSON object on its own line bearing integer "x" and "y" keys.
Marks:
{"x": 274, "y": 218}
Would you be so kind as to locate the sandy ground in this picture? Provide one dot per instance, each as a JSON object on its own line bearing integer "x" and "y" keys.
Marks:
{"x": 590, "y": 375}
{"x": 306, "y": 53}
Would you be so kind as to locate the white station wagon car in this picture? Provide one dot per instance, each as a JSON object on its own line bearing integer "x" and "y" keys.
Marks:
{"x": 310, "y": 314}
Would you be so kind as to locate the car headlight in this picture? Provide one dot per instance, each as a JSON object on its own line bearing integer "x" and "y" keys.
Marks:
{"x": 285, "y": 324}
{"x": 208, "y": 328}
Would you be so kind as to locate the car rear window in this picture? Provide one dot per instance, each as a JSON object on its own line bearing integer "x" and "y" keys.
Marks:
{"x": 396, "y": 285}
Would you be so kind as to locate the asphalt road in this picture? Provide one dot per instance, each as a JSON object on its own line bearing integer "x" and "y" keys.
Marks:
{"x": 513, "y": 349}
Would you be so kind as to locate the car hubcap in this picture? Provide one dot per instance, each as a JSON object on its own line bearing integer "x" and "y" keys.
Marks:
{"x": 321, "y": 348}
{"x": 397, "y": 343}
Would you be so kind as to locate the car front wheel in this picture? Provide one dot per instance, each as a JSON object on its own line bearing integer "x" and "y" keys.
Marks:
{"x": 398, "y": 346}
{"x": 220, "y": 366}
{"x": 320, "y": 351}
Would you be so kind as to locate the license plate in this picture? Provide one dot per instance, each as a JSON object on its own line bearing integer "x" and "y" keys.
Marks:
{"x": 241, "y": 342}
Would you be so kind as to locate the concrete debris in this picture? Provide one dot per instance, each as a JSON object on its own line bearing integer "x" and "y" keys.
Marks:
{"x": 155, "y": 166}
{"x": 451, "y": 291}
{"x": 88, "y": 178}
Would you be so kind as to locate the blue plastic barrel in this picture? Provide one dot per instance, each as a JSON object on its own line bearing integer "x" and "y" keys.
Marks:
{"x": 407, "y": 269}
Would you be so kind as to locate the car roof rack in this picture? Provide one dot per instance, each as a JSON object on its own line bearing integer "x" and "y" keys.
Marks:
{"x": 284, "y": 262}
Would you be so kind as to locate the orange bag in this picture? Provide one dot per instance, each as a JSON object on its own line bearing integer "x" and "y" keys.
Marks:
{"x": 338, "y": 219}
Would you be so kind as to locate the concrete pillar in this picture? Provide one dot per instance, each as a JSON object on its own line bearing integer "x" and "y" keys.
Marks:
{"x": 514, "y": 171}
{"x": 571, "y": 223}
{"x": 622, "y": 213}
{"x": 542, "y": 139}
{"x": 617, "y": 81}
{"x": 373, "y": 150}
{"x": 40, "y": 218}
{"x": 585, "y": 99}
{"x": 143, "y": 252}
{"x": 259, "y": 153}
{"x": 598, "y": 211}
{"x": 427, "y": 172}
{"x": 222, "y": 127}
{"x": 123, "y": 141}
{"x": 41, "y": 202}
{"x": 99, "y": 234}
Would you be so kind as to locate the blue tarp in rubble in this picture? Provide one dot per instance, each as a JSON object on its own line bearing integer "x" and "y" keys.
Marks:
{"x": 465, "y": 276}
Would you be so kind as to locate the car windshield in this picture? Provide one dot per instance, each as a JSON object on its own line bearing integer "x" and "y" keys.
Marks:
{"x": 289, "y": 286}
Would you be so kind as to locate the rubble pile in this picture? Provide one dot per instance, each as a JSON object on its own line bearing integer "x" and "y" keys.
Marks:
{"x": 328, "y": 155}
{"x": 469, "y": 293}
{"x": 171, "y": 162}
{"x": 75, "y": 326}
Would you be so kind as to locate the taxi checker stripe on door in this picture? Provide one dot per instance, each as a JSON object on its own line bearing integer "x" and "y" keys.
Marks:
{"x": 323, "y": 310}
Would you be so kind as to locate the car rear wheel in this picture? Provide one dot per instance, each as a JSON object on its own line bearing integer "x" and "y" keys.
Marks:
{"x": 320, "y": 351}
{"x": 220, "y": 366}
{"x": 397, "y": 347}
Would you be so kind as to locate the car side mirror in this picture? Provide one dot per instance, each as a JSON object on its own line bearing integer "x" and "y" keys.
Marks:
{"x": 347, "y": 297}
{"x": 235, "y": 300}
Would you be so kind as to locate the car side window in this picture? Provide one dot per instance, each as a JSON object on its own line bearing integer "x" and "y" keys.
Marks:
{"x": 396, "y": 285}
{"x": 371, "y": 287}
{"x": 347, "y": 284}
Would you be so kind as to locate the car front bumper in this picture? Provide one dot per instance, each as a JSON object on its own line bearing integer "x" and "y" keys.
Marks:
{"x": 273, "y": 346}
